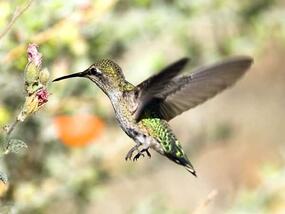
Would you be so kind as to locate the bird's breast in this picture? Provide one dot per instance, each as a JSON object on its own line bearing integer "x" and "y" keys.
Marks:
{"x": 138, "y": 131}
{"x": 123, "y": 111}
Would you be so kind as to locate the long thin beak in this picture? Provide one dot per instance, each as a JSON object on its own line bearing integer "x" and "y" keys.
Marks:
{"x": 79, "y": 74}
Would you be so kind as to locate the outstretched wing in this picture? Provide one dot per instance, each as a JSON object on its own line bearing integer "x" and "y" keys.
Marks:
{"x": 185, "y": 92}
{"x": 146, "y": 91}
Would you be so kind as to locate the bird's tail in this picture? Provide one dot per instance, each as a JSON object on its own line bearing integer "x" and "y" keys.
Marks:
{"x": 183, "y": 161}
{"x": 188, "y": 166}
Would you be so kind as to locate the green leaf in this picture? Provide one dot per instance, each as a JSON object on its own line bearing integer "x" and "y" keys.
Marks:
{"x": 17, "y": 146}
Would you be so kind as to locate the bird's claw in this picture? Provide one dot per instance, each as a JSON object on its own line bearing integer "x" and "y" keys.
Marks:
{"x": 130, "y": 153}
{"x": 137, "y": 156}
{"x": 147, "y": 152}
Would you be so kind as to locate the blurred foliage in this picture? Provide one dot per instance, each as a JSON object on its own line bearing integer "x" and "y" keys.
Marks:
{"x": 142, "y": 36}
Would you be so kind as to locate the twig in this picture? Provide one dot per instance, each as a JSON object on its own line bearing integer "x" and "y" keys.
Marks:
{"x": 11, "y": 128}
{"x": 18, "y": 12}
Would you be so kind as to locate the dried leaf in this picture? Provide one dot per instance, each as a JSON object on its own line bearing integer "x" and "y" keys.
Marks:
{"x": 30, "y": 106}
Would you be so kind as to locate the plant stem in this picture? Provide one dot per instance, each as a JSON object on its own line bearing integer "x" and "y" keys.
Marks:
{"x": 11, "y": 128}
{"x": 9, "y": 131}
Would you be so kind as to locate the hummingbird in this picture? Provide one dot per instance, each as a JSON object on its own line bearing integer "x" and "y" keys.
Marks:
{"x": 143, "y": 111}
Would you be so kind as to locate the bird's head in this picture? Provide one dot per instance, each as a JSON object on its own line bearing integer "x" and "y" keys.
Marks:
{"x": 105, "y": 73}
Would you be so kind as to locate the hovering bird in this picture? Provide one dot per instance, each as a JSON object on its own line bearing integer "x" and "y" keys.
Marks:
{"x": 143, "y": 111}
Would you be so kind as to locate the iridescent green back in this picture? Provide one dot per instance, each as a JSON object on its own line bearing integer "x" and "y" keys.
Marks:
{"x": 161, "y": 131}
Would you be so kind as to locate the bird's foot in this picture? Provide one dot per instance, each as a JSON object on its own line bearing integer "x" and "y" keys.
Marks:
{"x": 130, "y": 153}
{"x": 137, "y": 156}
{"x": 141, "y": 153}
{"x": 147, "y": 152}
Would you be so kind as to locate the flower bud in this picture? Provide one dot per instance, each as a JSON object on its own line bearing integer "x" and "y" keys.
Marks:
{"x": 44, "y": 76}
{"x": 34, "y": 55}
{"x": 32, "y": 73}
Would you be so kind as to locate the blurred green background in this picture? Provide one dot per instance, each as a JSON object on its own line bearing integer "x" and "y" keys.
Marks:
{"x": 235, "y": 141}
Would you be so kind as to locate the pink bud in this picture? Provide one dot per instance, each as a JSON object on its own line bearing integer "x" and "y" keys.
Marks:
{"x": 42, "y": 96}
{"x": 33, "y": 54}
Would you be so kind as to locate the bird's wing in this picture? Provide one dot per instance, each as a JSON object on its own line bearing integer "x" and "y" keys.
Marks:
{"x": 185, "y": 92}
{"x": 146, "y": 91}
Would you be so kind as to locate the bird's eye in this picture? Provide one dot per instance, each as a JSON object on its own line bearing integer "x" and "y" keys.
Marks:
{"x": 95, "y": 71}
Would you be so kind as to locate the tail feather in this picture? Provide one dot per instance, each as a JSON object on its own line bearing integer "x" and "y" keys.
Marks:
{"x": 190, "y": 169}
{"x": 170, "y": 146}
{"x": 183, "y": 161}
